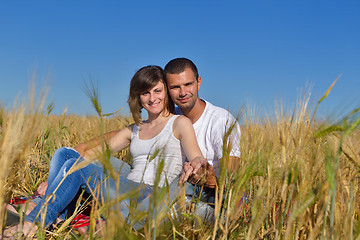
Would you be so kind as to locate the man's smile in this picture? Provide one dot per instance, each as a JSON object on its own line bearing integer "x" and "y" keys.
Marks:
{"x": 183, "y": 100}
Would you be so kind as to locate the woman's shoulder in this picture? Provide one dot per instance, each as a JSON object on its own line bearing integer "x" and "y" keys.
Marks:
{"x": 133, "y": 128}
{"x": 182, "y": 127}
{"x": 182, "y": 120}
{"x": 181, "y": 124}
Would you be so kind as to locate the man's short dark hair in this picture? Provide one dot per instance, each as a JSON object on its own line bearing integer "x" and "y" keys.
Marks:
{"x": 178, "y": 65}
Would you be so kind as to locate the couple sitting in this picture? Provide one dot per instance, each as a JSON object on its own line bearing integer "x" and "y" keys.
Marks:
{"x": 197, "y": 136}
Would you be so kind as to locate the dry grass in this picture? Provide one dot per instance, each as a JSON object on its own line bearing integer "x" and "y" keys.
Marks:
{"x": 298, "y": 177}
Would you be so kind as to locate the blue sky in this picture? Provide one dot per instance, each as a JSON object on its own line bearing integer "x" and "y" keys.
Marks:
{"x": 246, "y": 51}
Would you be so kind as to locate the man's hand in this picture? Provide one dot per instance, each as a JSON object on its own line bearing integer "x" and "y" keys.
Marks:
{"x": 198, "y": 171}
{"x": 192, "y": 167}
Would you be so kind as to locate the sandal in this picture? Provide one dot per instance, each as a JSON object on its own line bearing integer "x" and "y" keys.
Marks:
{"x": 12, "y": 218}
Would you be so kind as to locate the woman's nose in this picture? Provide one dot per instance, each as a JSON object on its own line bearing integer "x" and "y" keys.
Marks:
{"x": 152, "y": 97}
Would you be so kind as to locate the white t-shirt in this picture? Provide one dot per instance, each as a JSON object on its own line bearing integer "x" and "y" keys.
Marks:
{"x": 210, "y": 129}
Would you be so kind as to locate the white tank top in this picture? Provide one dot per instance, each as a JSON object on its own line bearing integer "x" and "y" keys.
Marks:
{"x": 148, "y": 153}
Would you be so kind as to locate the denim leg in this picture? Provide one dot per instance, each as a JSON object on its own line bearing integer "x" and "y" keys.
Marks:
{"x": 64, "y": 154}
{"x": 174, "y": 191}
{"x": 60, "y": 156}
{"x": 125, "y": 186}
{"x": 119, "y": 166}
{"x": 205, "y": 207}
{"x": 66, "y": 191}
{"x": 205, "y": 212}
{"x": 206, "y": 195}
{"x": 36, "y": 200}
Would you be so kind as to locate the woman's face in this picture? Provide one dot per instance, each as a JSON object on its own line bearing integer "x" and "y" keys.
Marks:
{"x": 153, "y": 100}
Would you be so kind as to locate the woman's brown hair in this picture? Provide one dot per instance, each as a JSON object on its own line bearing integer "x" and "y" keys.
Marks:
{"x": 143, "y": 80}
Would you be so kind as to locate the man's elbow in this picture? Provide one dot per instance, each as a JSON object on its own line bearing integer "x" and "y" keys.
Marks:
{"x": 234, "y": 163}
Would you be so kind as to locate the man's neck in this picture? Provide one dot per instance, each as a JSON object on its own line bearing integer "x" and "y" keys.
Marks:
{"x": 195, "y": 113}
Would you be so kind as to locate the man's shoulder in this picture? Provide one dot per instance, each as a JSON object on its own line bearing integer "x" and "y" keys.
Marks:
{"x": 210, "y": 109}
{"x": 218, "y": 112}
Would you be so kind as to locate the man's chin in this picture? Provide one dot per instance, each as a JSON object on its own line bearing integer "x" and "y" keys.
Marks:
{"x": 184, "y": 106}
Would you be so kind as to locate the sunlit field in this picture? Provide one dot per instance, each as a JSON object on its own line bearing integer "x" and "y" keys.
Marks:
{"x": 298, "y": 177}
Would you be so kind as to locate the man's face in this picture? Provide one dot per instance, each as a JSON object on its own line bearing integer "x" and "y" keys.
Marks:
{"x": 183, "y": 89}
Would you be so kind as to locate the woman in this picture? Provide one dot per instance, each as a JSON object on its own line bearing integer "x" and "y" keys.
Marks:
{"x": 169, "y": 137}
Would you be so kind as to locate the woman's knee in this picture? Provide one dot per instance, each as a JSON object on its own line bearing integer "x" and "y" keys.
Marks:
{"x": 61, "y": 155}
{"x": 68, "y": 164}
{"x": 61, "y": 151}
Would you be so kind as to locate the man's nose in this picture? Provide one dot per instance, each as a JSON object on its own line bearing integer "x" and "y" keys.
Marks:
{"x": 182, "y": 92}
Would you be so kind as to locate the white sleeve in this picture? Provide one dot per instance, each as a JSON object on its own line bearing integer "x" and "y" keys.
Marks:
{"x": 235, "y": 136}
{"x": 229, "y": 130}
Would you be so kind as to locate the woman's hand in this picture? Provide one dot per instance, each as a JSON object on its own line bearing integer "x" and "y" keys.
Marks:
{"x": 192, "y": 167}
{"x": 198, "y": 171}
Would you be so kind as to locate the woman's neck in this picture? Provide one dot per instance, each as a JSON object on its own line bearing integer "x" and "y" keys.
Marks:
{"x": 158, "y": 118}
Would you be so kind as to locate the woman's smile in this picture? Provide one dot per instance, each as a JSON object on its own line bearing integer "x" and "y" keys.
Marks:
{"x": 154, "y": 104}
{"x": 153, "y": 100}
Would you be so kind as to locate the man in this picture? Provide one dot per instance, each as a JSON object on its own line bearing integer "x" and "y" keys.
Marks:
{"x": 211, "y": 125}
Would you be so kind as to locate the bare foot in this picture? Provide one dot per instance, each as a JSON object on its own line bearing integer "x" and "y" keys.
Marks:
{"x": 28, "y": 207}
{"x": 15, "y": 232}
{"x": 42, "y": 189}
{"x": 10, "y": 207}
{"x": 99, "y": 228}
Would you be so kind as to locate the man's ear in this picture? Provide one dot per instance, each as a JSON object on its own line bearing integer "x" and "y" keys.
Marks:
{"x": 199, "y": 83}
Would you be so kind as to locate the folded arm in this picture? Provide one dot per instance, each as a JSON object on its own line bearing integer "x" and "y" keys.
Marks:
{"x": 115, "y": 140}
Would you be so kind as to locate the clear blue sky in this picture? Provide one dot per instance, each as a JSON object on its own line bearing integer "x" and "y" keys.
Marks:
{"x": 260, "y": 51}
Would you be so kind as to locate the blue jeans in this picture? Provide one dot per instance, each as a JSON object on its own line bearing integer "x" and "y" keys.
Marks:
{"x": 206, "y": 195}
{"x": 91, "y": 178}
{"x": 204, "y": 209}
{"x": 57, "y": 161}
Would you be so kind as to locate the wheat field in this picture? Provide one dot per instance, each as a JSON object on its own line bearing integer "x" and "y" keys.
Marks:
{"x": 298, "y": 177}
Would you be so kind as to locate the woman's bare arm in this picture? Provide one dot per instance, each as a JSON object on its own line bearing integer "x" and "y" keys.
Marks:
{"x": 83, "y": 147}
{"x": 197, "y": 167}
{"x": 116, "y": 141}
